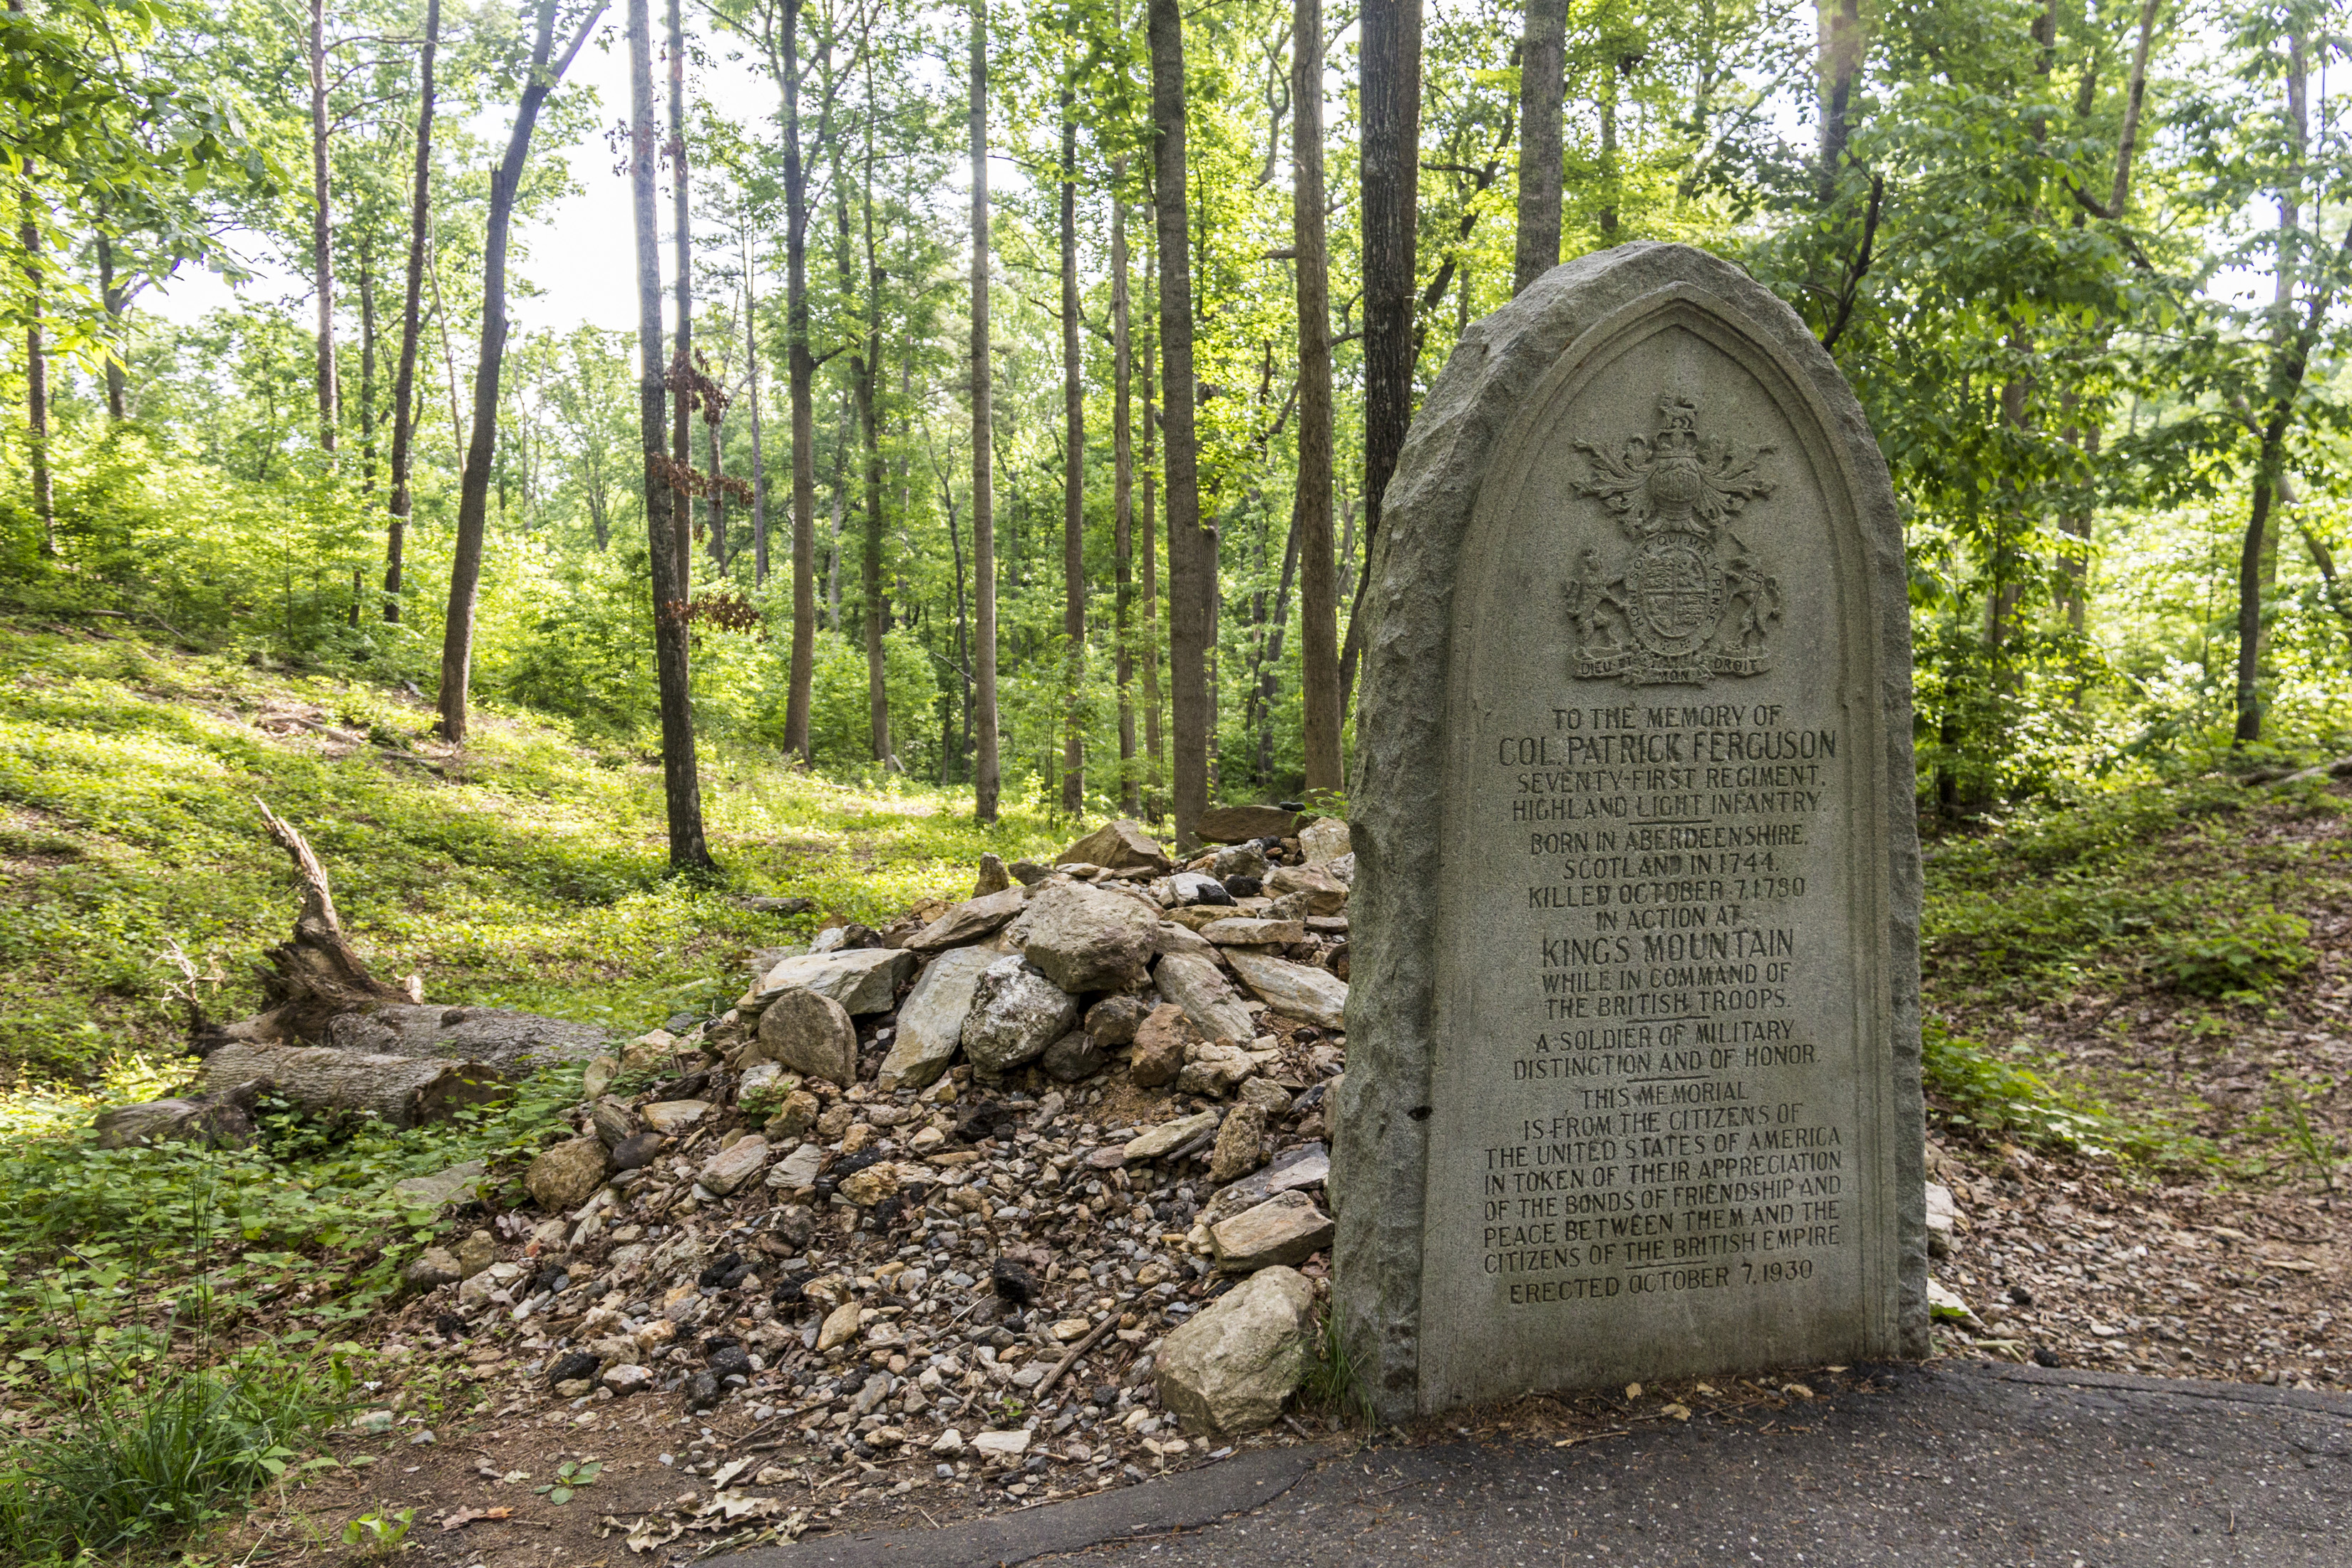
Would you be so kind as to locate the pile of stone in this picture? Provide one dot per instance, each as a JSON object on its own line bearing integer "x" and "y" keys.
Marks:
{"x": 1022, "y": 1190}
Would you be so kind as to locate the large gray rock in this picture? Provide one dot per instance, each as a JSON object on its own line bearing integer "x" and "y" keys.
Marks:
{"x": 561, "y": 1179}
{"x": 1015, "y": 1014}
{"x": 1240, "y": 1146}
{"x": 443, "y": 1187}
{"x": 1286, "y": 1228}
{"x": 1293, "y": 990}
{"x": 974, "y": 919}
{"x": 862, "y": 979}
{"x": 1195, "y": 985}
{"x": 1242, "y": 931}
{"x": 1122, "y": 845}
{"x": 810, "y": 1033}
{"x": 1074, "y": 1057}
{"x": 1637, "y": 625}
{"x": 1114, "y": 1020}
{"x": 930, "y": 1020}
{"x": 1234, "y": 824}
{"x": 734, "y": 1165}
{"x": 1228, "y": 1369}
{"x": 1323, "y": 840}
{"x": 1323, "y": 893}
{"x": 1170, "y": 1136}
{"x": 1085, "y": 939}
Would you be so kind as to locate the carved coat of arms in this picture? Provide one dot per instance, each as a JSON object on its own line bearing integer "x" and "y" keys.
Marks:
{"x": 1690, "y": 600}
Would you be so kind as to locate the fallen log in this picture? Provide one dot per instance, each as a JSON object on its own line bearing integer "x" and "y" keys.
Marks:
{"x": 315, "y": 974}
{"x": 221, "y": 1119}
{"x": 405, "y": 1092}
{"x": 507, "y": 1041}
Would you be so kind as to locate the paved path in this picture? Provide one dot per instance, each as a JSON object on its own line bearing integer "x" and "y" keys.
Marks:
{"x": 1965, "y": 1466}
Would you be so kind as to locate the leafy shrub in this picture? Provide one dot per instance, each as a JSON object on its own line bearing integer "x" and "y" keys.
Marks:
{"x": 1972, "y": 1087}
{"x": 2238, "y": 956}
{"x": 139, "y": 1465}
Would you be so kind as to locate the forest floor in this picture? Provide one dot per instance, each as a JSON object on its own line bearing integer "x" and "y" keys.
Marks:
{"x": 2139, "y": 1038}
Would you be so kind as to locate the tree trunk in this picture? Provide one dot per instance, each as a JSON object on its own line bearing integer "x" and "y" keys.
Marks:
{"x": 751, "y": 371}
{"x": 1269, "y": 674}
{"x": 712, "y": 429}
{"x": 1147, "y": 533}
{"x": 681, "y": 784}
{"x": 877, "y": 604}
{"x": 1391, "y": 170}
{"x": 1192, "y": 562}
{"x": 985, "y": 767}
{"x": 1318, "y": 622}
{"x": 474, "y": 487}
{"x": 403, "y": 385}
{"x": 367, "y": 371}
{"x": 840, "y": 502}
{"x": 1122, "y": 446}
{"x": 1543, "y": 47}
{"x": 801, "y": 370}
{"x": 322, "y": 230}
{"x": 2248, "y": 688}
{"x": 117, "y": 301}
{"x": 1074, "y": 477}
{"x": 37, "y": 383}
{"x": 1840, "y": 65}
{"x": 681, "y": 414}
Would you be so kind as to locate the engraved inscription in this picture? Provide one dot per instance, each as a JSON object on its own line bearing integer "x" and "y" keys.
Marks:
{"x": 1666, "y": 1145}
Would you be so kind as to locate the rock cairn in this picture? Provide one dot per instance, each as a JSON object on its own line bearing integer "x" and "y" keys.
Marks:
{"x": 1026, "y": 1190}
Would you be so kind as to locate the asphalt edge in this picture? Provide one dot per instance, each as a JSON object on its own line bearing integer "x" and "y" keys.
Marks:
{"x": 1187, "y": 1499}
{"x": 2178, "y": 1387}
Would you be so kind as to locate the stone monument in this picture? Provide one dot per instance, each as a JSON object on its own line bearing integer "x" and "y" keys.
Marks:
{"x": 1632, "y": 1087}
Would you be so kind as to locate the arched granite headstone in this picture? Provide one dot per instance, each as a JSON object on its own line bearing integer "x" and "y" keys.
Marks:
{"x": 1632, "y": 1087}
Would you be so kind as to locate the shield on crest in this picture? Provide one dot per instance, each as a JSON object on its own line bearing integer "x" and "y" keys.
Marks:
{"x": 1677, "y": 595}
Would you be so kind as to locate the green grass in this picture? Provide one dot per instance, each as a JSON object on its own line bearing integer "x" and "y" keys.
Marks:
{"x": 2182, "y": 886}
{"x": 153, "y": 1459}
{"x": 528, "y": 870}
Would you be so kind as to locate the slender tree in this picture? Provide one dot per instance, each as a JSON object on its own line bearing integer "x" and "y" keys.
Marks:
{"x": 1840, "y": 66}
{"x": 865, "y": 374}
{"x": 985, "y": 766}
{"x": 1543, "y": 45}
{"x": 682, "y": 785}
{"x": 1391, "y": 164}
{"x": 752, "y": 377}
{"x": 116, "y": 300}
{"x": 1147, "y": 533}
{"x": 1192, "y": 554}
{"x": 323, "y": 231}
{"x": 801, "y": 373}
{"x": 474, "y": 487}
{"x": 681, "y": 417}
{"x": 1073, "y": 465}
{"x": 1122, "y": 447}
{"x": 36, "y": 377}
{"x": 1318, "y": 610}
{"x": 404, "y": 381}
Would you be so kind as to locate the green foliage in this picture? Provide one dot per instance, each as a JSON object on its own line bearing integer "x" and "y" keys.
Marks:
{"x": 379, "y": 1533}
{"x": 569, "y": 1477}
{"x": 2240, "y": 956}
{"x": 523, "y": 872}
{"x": 1972, "y": 1087}
{"x": 145, "y": 1461}
{"x": 2155, "y": 880}
{"x": 1333, "y": 1384}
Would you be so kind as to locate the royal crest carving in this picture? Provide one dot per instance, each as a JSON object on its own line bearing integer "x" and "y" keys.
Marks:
{"x": 1690, "y": 600}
